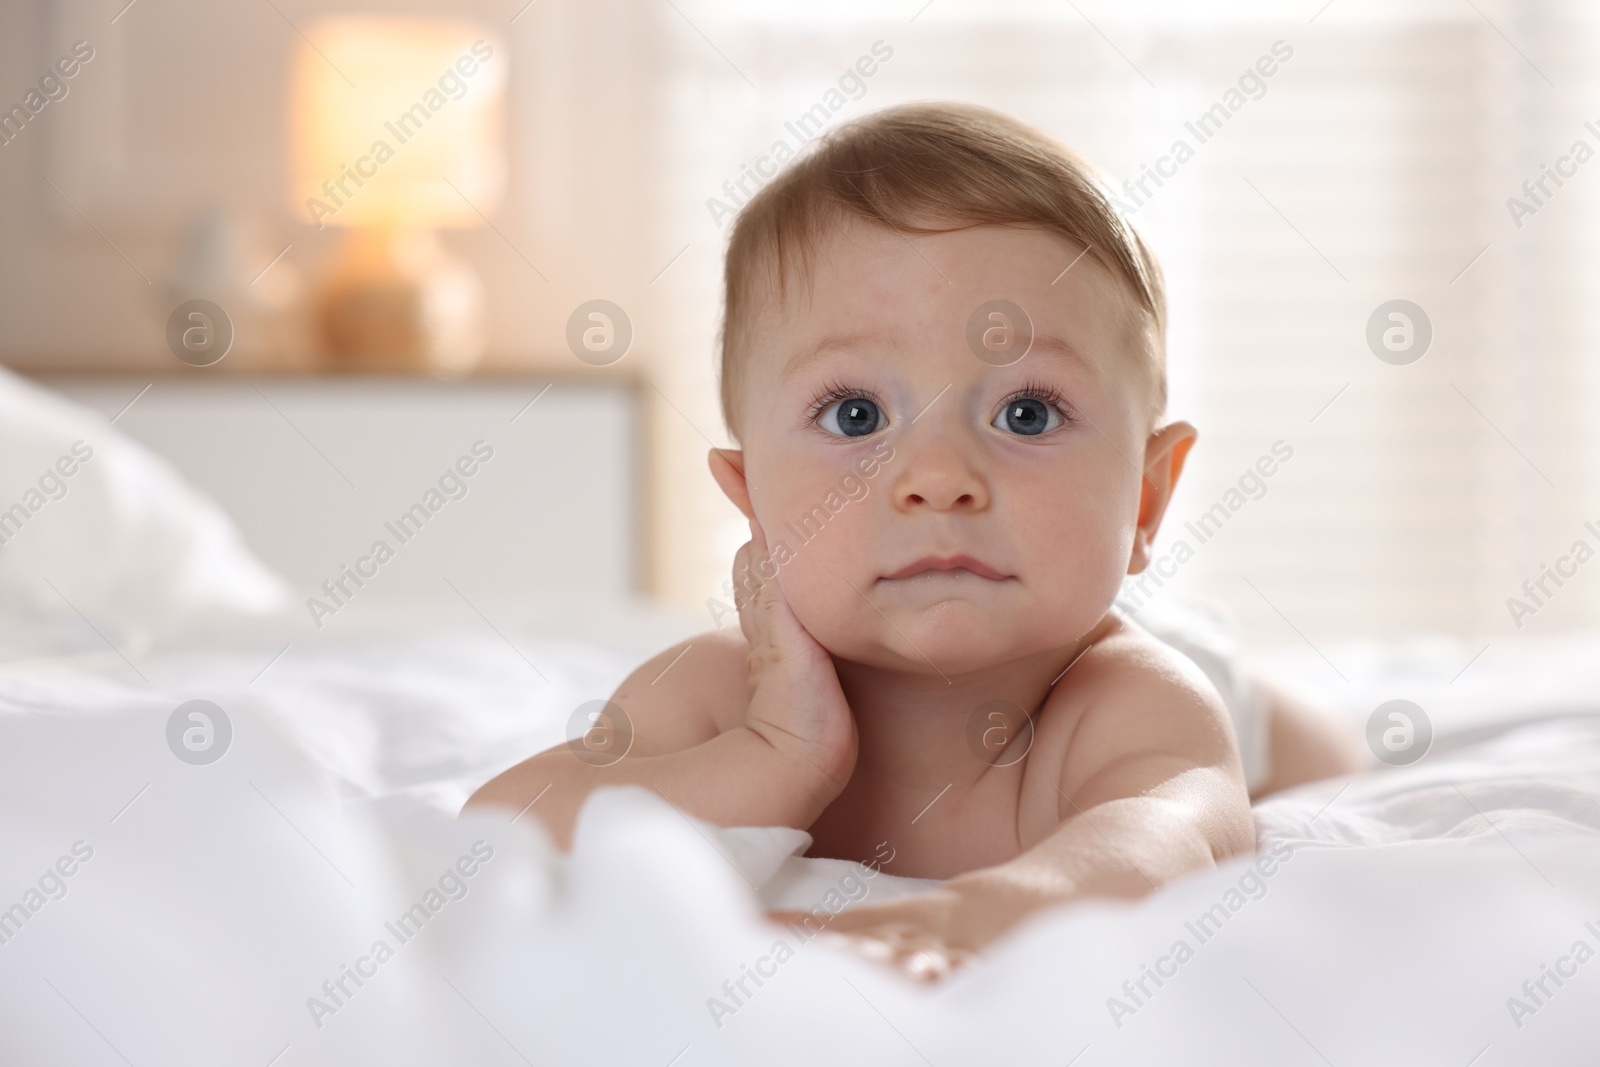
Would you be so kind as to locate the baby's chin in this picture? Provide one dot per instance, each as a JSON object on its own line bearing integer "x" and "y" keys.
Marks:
{"x": 947, "y": 638}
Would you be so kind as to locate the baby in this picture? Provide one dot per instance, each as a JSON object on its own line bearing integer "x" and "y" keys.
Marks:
{"x": 943, "y": 355}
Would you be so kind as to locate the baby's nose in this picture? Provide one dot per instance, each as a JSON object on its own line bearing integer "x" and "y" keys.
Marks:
{"x": 941, "y": 479}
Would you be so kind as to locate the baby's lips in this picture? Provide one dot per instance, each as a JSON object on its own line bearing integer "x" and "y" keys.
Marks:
{"x": 963, "y": 562}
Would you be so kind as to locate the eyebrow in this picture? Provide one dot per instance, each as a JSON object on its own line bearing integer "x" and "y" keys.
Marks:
{"x": 1056, "y": 346}
{"x": 1042, "y": 343}
{"x": 831, "y": 343}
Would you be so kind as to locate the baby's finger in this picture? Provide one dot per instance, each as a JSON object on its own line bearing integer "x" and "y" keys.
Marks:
{"x": 927, "y": 964}
{"x": 758, "y": 536}
{"x": 763, "y": 612}
{"x": 915, "y": 956}
{"x": 746, "y": 587}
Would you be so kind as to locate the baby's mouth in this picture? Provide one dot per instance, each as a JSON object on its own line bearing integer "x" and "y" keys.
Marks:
{"x": 949, "y": 566}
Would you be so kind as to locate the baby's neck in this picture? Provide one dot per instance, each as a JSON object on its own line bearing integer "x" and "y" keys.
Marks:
{"x": 912, "y": 726}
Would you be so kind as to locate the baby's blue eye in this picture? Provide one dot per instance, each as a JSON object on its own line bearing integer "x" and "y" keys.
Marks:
{"x": 852, "y": 417}
{"x": 1026, "y": 416}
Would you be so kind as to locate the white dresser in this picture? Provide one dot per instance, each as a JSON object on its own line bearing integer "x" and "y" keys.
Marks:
{"x": 316, "y": 470}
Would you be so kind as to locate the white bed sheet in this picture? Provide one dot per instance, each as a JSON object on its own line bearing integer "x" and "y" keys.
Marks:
{"x": 219, "y": 899}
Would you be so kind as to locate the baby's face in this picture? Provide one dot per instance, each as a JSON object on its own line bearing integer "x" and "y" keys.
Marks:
{"x": 1001, "y": 523}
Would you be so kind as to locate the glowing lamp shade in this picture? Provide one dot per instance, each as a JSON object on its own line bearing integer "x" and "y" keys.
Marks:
{"x": 396, "y": 128}
{"x": 397, "y": 122}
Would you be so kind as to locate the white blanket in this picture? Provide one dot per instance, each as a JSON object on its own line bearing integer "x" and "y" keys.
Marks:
{"x": 224, "y": 913}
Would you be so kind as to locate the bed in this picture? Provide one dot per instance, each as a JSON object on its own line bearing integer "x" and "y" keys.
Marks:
{"x": 284, "y": 879}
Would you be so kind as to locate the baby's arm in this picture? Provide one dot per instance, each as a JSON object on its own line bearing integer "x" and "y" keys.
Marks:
{"x": 1149, "y": 788}
{"x": 740, "y": 733}
{"x": 684, "y": 747}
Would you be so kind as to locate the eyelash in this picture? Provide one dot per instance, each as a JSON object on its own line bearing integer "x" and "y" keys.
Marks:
{"x": 1045, "y": 395}
{"x": 832, "y": 392}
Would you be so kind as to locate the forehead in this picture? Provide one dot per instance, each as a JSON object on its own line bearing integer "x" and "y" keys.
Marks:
{"x": 871, "y": 287}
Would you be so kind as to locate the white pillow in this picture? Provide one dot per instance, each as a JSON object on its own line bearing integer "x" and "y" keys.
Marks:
{"x": 93, "y": 524}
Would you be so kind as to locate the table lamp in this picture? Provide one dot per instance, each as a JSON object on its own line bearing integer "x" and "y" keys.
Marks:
{"x": 396, "y": 130}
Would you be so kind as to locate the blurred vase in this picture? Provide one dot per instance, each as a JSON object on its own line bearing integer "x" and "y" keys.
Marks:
{"x": 396, "y": 300}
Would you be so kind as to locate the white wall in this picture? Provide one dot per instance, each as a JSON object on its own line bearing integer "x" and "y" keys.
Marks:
{"x": 1419, "y": 500}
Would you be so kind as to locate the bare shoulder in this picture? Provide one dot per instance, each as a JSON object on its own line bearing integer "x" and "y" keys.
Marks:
{"x": 689, "y": 693}
{"x": 1132, "y": 697}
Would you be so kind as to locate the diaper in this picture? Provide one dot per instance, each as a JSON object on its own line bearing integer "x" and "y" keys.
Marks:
{"x": 1205, "y": 635}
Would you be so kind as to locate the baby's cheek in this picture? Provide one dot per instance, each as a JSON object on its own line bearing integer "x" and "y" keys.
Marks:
{"x": 815, "y": 586}
{"x": 1111, "y": 567}
{"x": 1079, "y": 569}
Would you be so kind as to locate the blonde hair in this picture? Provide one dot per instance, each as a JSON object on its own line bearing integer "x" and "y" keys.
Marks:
{"x": 922, "y": 169}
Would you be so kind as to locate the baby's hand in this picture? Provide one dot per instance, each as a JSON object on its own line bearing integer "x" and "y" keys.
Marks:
{"x": 925, "y": 935}
{"x": 795, "y": 700}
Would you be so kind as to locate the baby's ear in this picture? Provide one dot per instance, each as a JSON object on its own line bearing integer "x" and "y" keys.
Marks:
{"x": 1165, "y": 453}
{"x": 727, "y": 467}
{"x": 1182, "y": 437}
